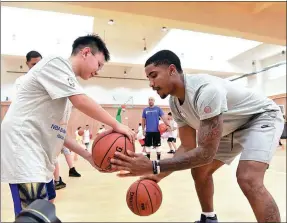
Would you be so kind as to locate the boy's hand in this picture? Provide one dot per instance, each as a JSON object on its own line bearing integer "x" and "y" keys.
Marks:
{"x": 126, "y": 131}
{"x": 91, "y": 161}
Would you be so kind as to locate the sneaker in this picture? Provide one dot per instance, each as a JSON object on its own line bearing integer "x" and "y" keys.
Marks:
{"x": 170, "y": 151}
{"x": 73, "y": 173}
{"x": 59, "y": 184}
{"x": 204, "y": 219}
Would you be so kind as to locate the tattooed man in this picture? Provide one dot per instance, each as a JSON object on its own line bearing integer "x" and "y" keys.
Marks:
{"x": 217, "y": 120}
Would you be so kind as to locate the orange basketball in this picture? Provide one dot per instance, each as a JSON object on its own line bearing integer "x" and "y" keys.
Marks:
{"x": 106, "y": 144}
{"x": 81, "y": 132}
{"x": 144, "y": 197}
{"x": 162, "y": 128}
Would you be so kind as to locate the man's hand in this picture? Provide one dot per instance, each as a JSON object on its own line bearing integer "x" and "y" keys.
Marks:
{"x": 155, "y": 177}
{"x": 135, "y": 164}
{"x": 126, "y": 131}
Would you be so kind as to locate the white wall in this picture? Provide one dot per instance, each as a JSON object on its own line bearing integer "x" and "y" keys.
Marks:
{"x": 104, "y": 91}
{"x": 271, "y": 82}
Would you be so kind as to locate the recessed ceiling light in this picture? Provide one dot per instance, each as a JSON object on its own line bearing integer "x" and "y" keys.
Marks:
{"x": 164, "y": 29}
{"x": 111, "y": 22}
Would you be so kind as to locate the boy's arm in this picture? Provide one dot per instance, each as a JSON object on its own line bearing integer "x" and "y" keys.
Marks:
{"x": 91, "y": 108}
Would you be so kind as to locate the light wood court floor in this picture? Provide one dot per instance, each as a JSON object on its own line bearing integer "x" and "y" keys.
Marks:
{"x": 98, "y": 197}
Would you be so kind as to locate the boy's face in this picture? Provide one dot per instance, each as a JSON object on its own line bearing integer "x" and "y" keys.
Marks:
{"x": 90, "y": 63}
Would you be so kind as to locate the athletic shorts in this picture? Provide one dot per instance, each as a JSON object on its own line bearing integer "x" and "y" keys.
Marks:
{"x": 171, "y": 139}
{"x": 25, "y": 193}
{"x": 152, "y": 139}
{"x": 256, "y": 140}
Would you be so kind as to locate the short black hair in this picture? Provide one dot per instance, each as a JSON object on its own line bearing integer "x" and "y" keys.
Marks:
{"x": 94, "y": 42}
{"x": 165, "y": 57}
{"x": 32, "y": 54}
{"x": 170, "y": 114}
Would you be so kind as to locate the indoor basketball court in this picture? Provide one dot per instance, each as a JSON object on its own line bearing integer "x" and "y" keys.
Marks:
{"x": 228, "y": 42}
{"x": 96, "y": 194}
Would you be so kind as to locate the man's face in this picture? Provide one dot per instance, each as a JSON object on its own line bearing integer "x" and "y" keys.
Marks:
{"x": 151, "y": 102}
{"x": 91, "y": 63}
{"x": 160, "y": 78}
{"x": 33, "y": 62}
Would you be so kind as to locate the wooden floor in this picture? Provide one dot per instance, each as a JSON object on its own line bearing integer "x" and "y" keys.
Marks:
{"x": 98, "y": 197}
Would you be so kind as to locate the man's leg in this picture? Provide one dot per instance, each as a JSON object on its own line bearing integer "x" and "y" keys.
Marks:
{"x": 148, "y": 144}
{"x": 157, "y": 144}
{"x": 69, "y": 160}
{"x": 170, "y": 147}
{"x": 173, "y": 144}
{"x": 250, "y": 176}
{"x": 259, "y": 139}
{"x": 204, "y": 184}
{"x": 87, "y": 145}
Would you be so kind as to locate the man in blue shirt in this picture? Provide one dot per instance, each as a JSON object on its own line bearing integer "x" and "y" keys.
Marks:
{"x": 150, "y": 121}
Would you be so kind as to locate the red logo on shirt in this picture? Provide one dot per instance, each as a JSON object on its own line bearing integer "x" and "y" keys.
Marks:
{"x": 207, "y": 109}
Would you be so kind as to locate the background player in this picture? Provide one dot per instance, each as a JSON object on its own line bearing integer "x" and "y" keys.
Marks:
{"x": 150, "y": 122}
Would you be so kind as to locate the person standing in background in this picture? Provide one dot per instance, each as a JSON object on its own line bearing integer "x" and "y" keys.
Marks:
{"x": 150, "y": 121}
{"x": 172, "y": 134}
{"x": 32, "y": 58}
{"x": 87, "y": 137}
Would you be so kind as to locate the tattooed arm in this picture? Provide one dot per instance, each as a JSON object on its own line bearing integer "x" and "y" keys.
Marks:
{"x": 209, "y": 135}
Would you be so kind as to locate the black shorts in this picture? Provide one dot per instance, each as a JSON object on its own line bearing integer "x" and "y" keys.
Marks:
{"x": 152, "y": 139}
{"x": 171, "y": 139}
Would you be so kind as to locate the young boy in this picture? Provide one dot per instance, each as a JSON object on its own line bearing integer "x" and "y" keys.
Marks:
{"x": 35, "y": 138}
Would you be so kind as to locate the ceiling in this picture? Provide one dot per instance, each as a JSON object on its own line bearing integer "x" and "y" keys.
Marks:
{"x": 257, "y": 21}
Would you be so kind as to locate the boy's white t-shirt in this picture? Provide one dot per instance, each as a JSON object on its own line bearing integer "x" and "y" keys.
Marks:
{"x": 31, "y": 131}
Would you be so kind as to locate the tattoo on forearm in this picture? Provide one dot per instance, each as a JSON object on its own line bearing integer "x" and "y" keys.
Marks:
{"x": 209, "y": 135}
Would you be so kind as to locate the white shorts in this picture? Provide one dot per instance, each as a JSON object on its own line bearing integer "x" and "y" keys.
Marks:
{"x": 257, "y": 140}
